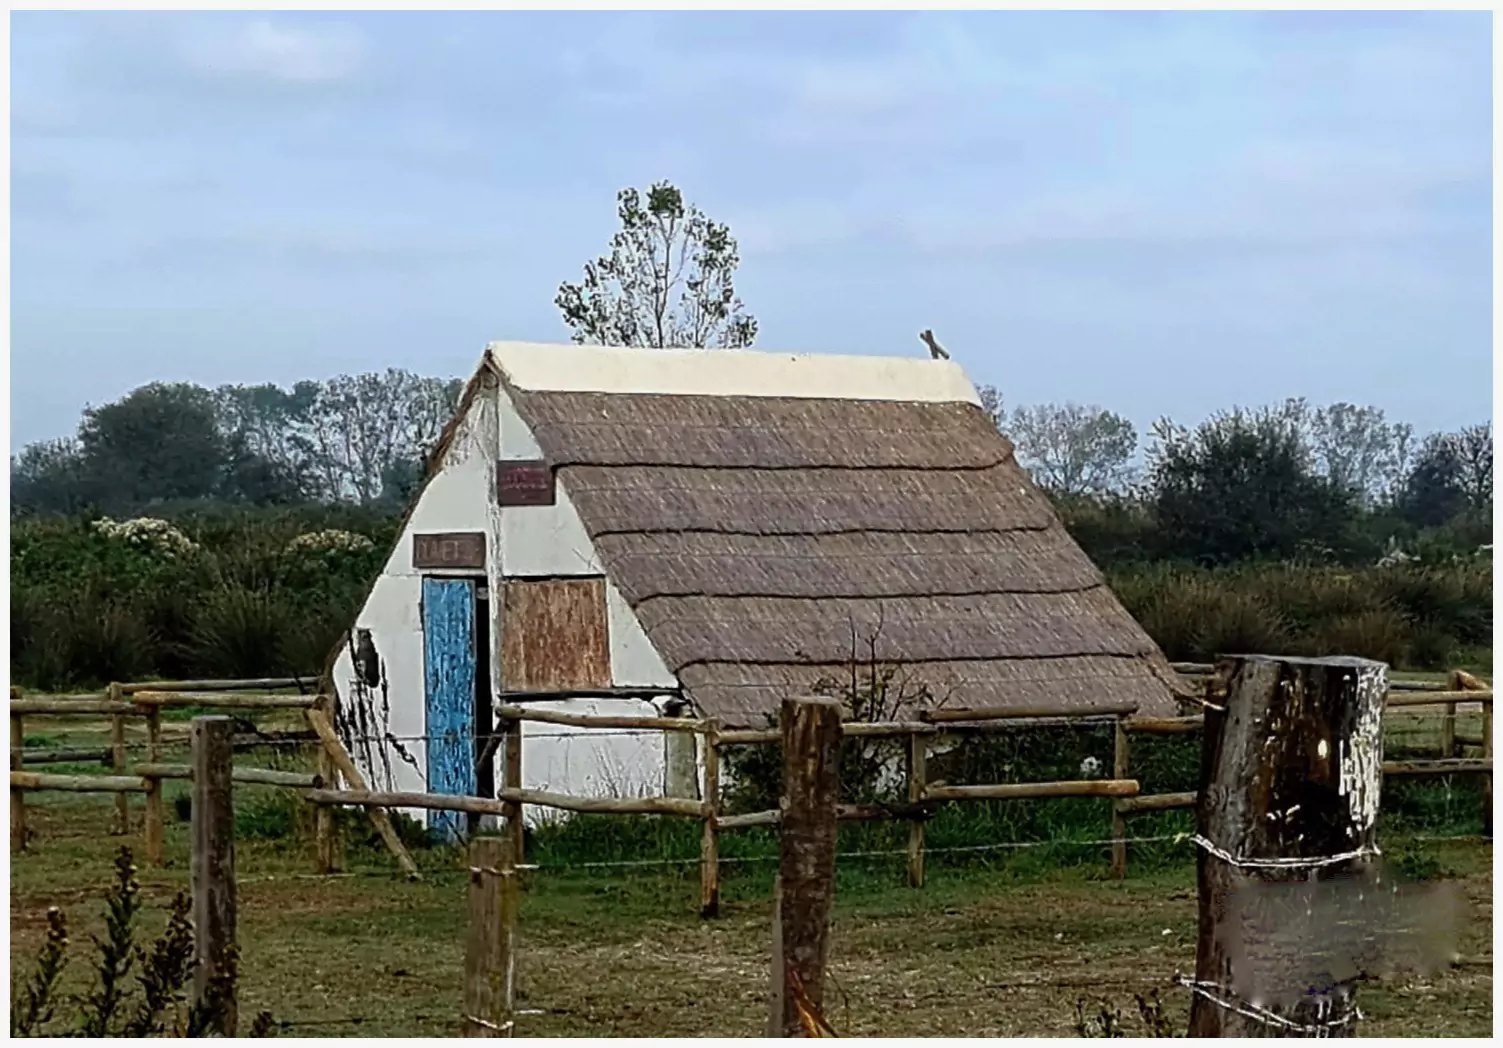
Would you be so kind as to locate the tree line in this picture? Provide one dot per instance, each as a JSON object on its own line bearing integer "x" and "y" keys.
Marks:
{"x": 351, "y": 438}
{"x": 1336, "y": 483}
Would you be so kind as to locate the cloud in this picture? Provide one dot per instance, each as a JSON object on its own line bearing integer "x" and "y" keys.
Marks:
{"x": 265, "y": 50}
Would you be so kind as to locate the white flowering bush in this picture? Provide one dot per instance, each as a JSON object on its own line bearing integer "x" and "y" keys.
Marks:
{"x": 149, "y": 534}
{"x": 330, "y": 540}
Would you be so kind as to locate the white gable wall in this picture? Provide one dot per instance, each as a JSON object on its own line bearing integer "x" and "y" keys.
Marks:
{"x": 522, "y": 541}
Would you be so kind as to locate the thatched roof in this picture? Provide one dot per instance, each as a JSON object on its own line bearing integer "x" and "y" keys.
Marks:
{"x": 764, "y": 540}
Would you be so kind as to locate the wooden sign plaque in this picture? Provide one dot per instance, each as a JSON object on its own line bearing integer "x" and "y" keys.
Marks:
{"x": 524, "y": 483}
{"x": 453, "y": 549}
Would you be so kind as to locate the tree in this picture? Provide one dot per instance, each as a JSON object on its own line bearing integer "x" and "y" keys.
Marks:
{"x": 1075, "y": 450}
{"x": 1358, "y": 449}
{"x": 363, "y": 426}
{"x": 1243, "y": 485}
{"x": 1452, "y": 475}
{"x": 160, "y": 442}
{"x": 49, "y": 477}
{"x": 991, "y": 403}
{"x": 668, "y": 280}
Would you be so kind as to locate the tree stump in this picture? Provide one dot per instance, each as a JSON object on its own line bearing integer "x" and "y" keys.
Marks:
{"x": 1290, "y": 774}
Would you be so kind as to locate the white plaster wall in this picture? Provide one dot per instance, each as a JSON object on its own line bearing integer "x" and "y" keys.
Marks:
{"x": 521, "y": 541}
{"x": 588, "y": 761}
{"x": 635, "y": 663}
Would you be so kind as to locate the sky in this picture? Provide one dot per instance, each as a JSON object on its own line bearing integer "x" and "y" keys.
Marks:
{"x": 1164, "y": 214}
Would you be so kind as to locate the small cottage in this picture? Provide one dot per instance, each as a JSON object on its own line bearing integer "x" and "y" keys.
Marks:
{"x": 701, "y": 532}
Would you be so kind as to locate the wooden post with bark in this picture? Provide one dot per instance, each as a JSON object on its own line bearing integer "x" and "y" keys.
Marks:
{"x": 805, "y": 889}
{"x": 1121, "y": 756}
{"x": 325, "y": 847}
{"x": 156, "y": 821}
{"x": 117, "y": 758}
{"x": 17, "y": 796}
{"x": 709, "y": 841}
{"x": 1461, "y": 680}
{"x": 490, "y": 962}
{"x": 214, "y": 868}
{"x": 511, "y": 772}
{"x": 918, "y": 778}
{"x": 1291, "y": 767}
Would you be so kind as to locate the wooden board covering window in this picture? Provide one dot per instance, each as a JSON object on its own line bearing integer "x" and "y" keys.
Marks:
{"x": 554, "y": 635}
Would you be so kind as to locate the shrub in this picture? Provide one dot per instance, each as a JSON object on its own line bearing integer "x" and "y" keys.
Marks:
{"x": 238, "y": 632}
{"x": 164, "y": 970}
{"x": 1379, "y": 634}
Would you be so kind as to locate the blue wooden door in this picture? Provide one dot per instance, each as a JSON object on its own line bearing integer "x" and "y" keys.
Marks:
{"x": 449, "y": 685}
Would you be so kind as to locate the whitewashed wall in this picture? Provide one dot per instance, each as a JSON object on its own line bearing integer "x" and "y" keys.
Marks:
{"x": 521, "y": 541}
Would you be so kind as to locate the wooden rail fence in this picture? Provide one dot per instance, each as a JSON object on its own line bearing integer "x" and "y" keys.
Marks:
{"x": 145, "y": 701}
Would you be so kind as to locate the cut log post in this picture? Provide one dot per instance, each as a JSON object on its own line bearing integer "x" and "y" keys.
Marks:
{"x": 805, "y": 888}
{"x": 511, "y": 776}
{"x": 1461, "y": 680}
{"x": 1291, "y": 770}
{"x": 17, "y": 797}
{"x": 1120, "y": 761}
{"x": 709, "y": 838}
{"x": 117, "y": 760}
{"x": 325, "y": 849}
{"x": 346, "y": 767}
{"x": 214, "y": 868}
{"x": 1487, "y": 783}
{"x": 490, "y": 963}
{"x": 156, "y": 822}
{"x": 918, "y": 778}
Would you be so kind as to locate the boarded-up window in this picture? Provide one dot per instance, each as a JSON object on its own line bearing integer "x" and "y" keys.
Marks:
{"x": 553, "y": 635}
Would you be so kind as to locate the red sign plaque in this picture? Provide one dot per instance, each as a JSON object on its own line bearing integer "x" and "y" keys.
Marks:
{"x": 454, "y": 549}
{"x": 524, "y": 483}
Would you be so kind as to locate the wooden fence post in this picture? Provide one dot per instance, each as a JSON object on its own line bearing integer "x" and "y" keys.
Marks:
{"x": 1487, "y": 780}
{"x": 325, "y": 853}
{"x": 490, "y": 960}
{"x": 918, "y": 778}
{"x": 213, "y": 863}
{"x": 709, "y": 841}
{"x": 155, "y": 817}
{"x": 1291, "y": 771}
{"x": 346, "y": 765}
{"x": 512, "y": 777}
{"x": 1121, "y": 756}
{"x": 117, "y": 758}
{"x": 17, "y": 797}
{"x": 805, "y": 889}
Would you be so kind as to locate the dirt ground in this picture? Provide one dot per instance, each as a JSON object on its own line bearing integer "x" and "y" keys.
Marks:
{"x": 974, "y": 953}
